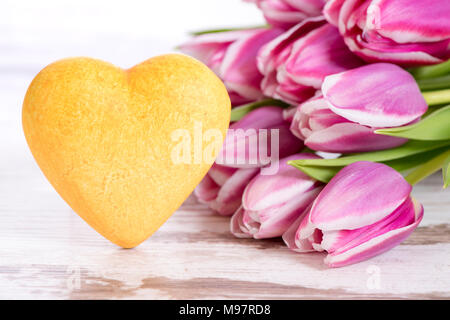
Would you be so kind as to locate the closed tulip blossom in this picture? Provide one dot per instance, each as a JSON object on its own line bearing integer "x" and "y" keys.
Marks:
{"x": 259, "y": 138}
{"x": 365, "y": 210}
{"x": 295, "y": 63}
{"x": 271, "y": 203}
{"x": 232, "y": 56}
{"x": 287, "y": 13}
{"x": 222, "y": 187}
{"x": 354, "y": 104}
{"x": 404, "y": 32}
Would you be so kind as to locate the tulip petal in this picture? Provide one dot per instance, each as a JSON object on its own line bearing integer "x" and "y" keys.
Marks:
{"x": 237, "y": 227}
{"x": 274, "y": 53}
{"x": 425, "y": 21}
{"x": 376, "y": 245}
{"x": 292, "y": 237}
{"x": 349, "y": 137}
{"x": 390, "y": 31}
{"x": 280, "y": 14}
{"x": 266, "y": 191}
{"x": 229, "y": 197}
{"x": 251, "y": 141}
{"x": 340, "y": 241}
{"x": 311, "y": 7}
{"x": 238, "y": 70}
{"x": 274, "y": 222}
{"x": 319, "y": 53}
{"x": 290, "y": 91}
{"x": 376, "y": 95}
{"x": 220, "y": 174}
{"x": 206, "y": 190}
{"x": 331, "y": 11}
{"x": 359, "y": 195}
{"x": 211, "y": 48}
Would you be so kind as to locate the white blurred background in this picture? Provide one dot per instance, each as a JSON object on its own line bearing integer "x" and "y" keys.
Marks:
{"x": 36, "y": 33}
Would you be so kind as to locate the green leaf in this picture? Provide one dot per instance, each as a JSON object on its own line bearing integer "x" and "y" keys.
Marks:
{"x": 427, "y": 168}
{"x": 408, "y": 149}
{"x": 201, "y": 32}
{"x": 413, "y": 161}
{"x": 446, "y": 172}
{"x": 325, "y": 173}
{"x": 238, "y": 112}
{"x": 434, "y": 127}
{"x": 442, "y": 82}
{"x": 437, "y": 97}
{"x": 427, "y": 72}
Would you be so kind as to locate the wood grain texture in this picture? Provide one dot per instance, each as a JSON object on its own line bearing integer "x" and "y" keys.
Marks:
{"x": 47, "y": 251}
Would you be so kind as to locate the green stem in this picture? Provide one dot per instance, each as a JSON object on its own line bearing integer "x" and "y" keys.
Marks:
{"x": 199, "y": 33}
{"x": 431, "y": 71}
{"x": 238, "y": 112}
{"x": 437, "y": 97}
{"x": 427, "y": 168}
{"x": 434, "y": 83}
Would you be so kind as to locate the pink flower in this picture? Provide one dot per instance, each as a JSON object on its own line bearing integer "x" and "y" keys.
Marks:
{"x": 259, "y": 138}
{"x": 232, "y": 56}
{"x": 354, "y": 104}
{"x": 222, "y": 187}
{"x": 365, "y": 210}
{"x": 271, "y": 203}
{"x": 404, "y": 32}
{"x": 295, "y": 63}
{"x": 287, "y": 13}
{"x": 255, "y": 141}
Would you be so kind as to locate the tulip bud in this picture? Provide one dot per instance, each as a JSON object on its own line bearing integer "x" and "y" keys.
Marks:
{"x": 404, "y": 32}
{"x": 232, "y": 56}
{"x": 259, "y": 138}
{"x": 354, "y": 104}
{"x": 271, "y": 203}
{"x": 222, "y": 187}
{"x": 365, "y": 210}
{"x": 287, "y": 13}
{"x": 295, "y": 63}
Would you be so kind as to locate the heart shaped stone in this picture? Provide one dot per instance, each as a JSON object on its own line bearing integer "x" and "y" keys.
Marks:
{"x": 104, "y": 138}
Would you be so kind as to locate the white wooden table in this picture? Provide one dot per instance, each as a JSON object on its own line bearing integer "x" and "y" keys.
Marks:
{"x": 47, "y": 251}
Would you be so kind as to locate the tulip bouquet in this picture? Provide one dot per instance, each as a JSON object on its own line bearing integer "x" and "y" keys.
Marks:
{"x": 358, "y": 92}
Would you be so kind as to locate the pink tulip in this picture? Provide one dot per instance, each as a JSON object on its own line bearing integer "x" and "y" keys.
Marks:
{"x": 287, "y": 13}
{"x": 295, "y": 63}
{"x": 222, "y": 187}
{"x": 404, "y": 32}
{"x": 259, "y": 138}
{"x": 365, "y": 210}
{"x": 232, "y": 56}
{"x": 354, "y": 104}
{"x": 271, "y": 203}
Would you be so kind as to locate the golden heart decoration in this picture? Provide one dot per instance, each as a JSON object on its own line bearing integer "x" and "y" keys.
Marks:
{"x": 103, "y": 137}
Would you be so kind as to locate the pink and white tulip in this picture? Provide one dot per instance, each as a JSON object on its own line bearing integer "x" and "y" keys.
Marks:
{"x": 222, "y": 187}
{"x": 295, "y": 63}
{"x": 259, "y": 138}
{"x": 232, "y": 56}
{"x": 404, "y": 32}
{"x": 271, "y": 203}
{"x": 287, "y": 13}
{"x": 365, "y": 210}
{"x": 354, "y": 104}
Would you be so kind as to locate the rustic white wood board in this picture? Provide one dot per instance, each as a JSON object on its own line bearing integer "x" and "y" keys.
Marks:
{"x": 47, "y": 251}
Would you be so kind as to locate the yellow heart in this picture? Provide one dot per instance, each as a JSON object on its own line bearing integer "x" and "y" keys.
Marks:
{"x": 103, "y": 137}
